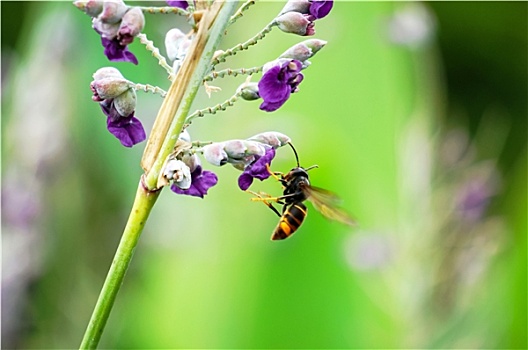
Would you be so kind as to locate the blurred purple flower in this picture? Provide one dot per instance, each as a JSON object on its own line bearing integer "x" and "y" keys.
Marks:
{"x": 258, "y": 169}
{"x": 280, "y": 79}
{"x": 180, "y": 4}
{"x": 201, "y": 182}
{"x": 473, "y": 199}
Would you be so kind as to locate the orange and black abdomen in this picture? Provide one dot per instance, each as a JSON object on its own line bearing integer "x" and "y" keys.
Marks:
{"x": 290, "y": 221}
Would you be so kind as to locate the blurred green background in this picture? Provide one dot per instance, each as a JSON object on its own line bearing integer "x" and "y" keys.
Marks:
{"x": 416, "y": 115}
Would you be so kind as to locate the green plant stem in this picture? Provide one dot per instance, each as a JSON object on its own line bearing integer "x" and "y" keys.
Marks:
{"x": 212, "y": 26}
{"x": 214, "y": 34}
{"x": 141, "y": 208}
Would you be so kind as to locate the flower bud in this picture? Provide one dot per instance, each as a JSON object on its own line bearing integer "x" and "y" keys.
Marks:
{"x": 113, "y": 11}
{"x": 237, "y": 150}
{"x": 215, "y": 154}
{"x": 179, "y": 173}
{"x": 91, "y": 7}
{"x": 107, "y": 72}
{"x": 191, "y": 160}
{"x": 185, "y": 136}
{"x": 249, "y": 91}
{"x": 272, "y": 138}
{"x": 108, "y": 83}
{"x": 176, "y": 44}
{"x": 301, "y": 6}
{"x": 106, "y": 30}
{"x": 131, "y": 25}
{"x": 295, "y": 23}
{"x": 109, "y": 88}
{"x": 125, "y": 103}
{"x": 304, "y": 50}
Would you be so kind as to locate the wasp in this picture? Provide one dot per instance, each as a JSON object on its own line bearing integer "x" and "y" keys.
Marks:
{"x": 296, "y": 190}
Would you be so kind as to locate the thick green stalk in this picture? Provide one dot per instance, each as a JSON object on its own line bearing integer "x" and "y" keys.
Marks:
{"x": 143, "y": 204}
{"x": 203, "y": 58}
{"x": 174, "y": 111}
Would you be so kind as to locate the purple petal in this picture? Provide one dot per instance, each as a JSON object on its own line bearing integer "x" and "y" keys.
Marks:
{"x": 244, "y": 181}
{"x": 128, "y": 130}
{"x": 202, "y": 181}
{"x": 271, "y": 106}
{"x": 180, "y": 4}
{"x": 321, "y": 8}
{"x": 109, "y": 109}
{"x": 278, "y": 82}
{"x": 257, "y": 170}
{"x": 116, "y": 52}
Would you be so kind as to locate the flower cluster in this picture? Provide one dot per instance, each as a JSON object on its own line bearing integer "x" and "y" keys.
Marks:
{"x": 252, "y": 156}
{"x": 117, "y": 24}
{"x": 282, "y": 76}
{"x": 118, "y": 102}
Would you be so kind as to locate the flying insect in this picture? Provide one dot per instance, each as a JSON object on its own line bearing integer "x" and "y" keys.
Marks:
{"x": 297, "y": 189}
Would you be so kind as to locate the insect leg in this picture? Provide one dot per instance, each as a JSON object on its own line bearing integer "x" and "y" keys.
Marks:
{"x": 274, "y": 174}
{"x": 259, "y": 197}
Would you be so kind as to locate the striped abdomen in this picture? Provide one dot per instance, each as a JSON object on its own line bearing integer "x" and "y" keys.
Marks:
{"x": 290, "y": 221}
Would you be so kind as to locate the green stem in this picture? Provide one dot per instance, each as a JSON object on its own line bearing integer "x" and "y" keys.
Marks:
{"x": 215, "y": 34}
{"x": 143, "y": 204}
{"x": 214, "y": 24}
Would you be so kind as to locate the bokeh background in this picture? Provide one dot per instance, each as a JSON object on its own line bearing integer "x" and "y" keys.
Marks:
{"x": 416, "y": 115}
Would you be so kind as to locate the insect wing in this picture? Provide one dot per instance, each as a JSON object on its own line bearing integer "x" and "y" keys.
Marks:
{"x": 327, "y": 203}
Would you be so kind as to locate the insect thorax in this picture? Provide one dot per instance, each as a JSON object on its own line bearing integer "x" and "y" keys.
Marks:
{"x": 293, "y": 183}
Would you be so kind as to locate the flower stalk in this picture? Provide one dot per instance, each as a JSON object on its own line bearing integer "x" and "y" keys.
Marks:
{"x": 213, "y": 110}
{"x": 149, "y": 45}
{"x": 175, "y": 107}
{"x": 244, "y": 46}
{"x": 245, "y": 6}
{"x": 149, "y": 88}
{"x": 167, "y": 127}
{"x": 141, "y": 208}
{"x": 164, "y": 10}
{"x": 232, "y": 72}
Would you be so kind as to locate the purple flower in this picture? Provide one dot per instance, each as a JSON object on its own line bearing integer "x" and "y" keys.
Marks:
{"x": 116, "y": 52}
{"x": 180, "y": 4}
{"x": 321, "y": 8}
{"x": 279, "y": 80}
{"x": 258, "y": 170}
{"x": 118, "y": 25}
{"x": 128, "y": 130}
{"x": 201, "y": 181}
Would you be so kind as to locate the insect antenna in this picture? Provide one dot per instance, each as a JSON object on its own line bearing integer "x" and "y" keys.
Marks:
{"x": 297, "y": 159}
{"x": 295, "y": 152}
